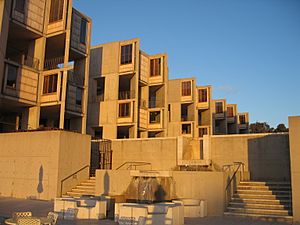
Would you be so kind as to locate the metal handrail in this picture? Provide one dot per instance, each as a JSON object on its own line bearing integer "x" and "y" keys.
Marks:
{"x": 235, "y": 172}
{"x": 135, "y": 164}
{"x": 63, "y": 180}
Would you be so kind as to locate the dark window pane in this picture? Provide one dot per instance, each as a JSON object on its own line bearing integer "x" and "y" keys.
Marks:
{"x": 78, "y": 96}
{"x": 155, "y": 67}
{"x": 56, "y": 10}
{"x": 83, "y": 31}
{"x": 219, "y": 107}
{"x": 12, "y": 74}
{"x": 50, "y": 84}
{"x": 202, "y": 93}
{"x": 186, "y": 88}
{"x": 20, "y": 6}
{"x": 126, "y": 54}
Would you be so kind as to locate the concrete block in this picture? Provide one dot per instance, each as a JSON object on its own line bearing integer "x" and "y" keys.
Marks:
{"x": 132, "y": 214}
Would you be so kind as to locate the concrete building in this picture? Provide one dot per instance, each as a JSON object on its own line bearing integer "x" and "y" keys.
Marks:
{"x": 44, "y": 64}
{"x": 128, "y": 91}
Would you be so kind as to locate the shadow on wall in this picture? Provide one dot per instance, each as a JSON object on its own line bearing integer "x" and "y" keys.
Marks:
{"x": 40, "y": 188}
{"x": 269, "y": 158}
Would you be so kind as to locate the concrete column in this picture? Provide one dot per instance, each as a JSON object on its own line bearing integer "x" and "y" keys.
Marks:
{"x": 294, "y": 134}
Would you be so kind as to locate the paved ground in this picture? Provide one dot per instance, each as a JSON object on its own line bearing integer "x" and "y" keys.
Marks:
{"x": 41, "y": 208}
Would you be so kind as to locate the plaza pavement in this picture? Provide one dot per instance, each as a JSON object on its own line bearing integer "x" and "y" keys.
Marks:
{"x": 41, "y": 208}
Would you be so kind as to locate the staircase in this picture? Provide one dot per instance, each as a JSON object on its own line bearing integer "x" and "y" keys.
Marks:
{"x": 84, "y": 188}
{"x": 267, "y": 200}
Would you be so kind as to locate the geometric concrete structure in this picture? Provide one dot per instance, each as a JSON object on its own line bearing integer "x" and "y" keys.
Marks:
{"x": 44, "y": 63}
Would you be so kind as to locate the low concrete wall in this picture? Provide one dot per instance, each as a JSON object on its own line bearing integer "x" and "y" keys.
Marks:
{"x": 32, "y": 164}
{"x": 294, "y": 130}
{"x": 160, "y": 152}
{"x": 199, "y": 185}
{"x": 266, "y": 156}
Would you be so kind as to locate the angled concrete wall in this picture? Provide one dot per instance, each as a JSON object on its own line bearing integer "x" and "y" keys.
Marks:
{"x": 294, "y": 132}
{"x": 266, "y": 156}
{"x": 33, "y": 164}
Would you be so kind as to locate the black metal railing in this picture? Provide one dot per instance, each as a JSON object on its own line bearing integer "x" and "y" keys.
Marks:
{"x": 54, "y": 63}
{"x": 21, "y": 57}
{"x": 131, "y": 165}
{"x": 123, "y": 95}
{"x": 72, "y": 175}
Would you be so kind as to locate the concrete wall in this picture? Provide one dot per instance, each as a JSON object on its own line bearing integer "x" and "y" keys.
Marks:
{"x": 199, "y": 185}
{"x": 294, "y": 132}
{"x": 32, "y": 164}
{"x": 160, "y": 152}
{"x": 266, "y": 156}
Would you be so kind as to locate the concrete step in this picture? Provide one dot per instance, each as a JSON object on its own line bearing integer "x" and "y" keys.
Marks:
{"x": 92, "y": 178}
{"x": 267, "y": 183}
{"x": 280, "y": 212}
{"x": 83, "y": 190}
{"x": 265, "y": 192}
{"x": 258, "y": 206}
{"x": 77, "y": 194}
{"x": 258, "y": 196}
{"x": 87, "y": 187}
{"x": 85, "y": 183}
{"x": 262, "y": 216}
{"x": 262, "y": 201}
{"x": 263, "y": 188}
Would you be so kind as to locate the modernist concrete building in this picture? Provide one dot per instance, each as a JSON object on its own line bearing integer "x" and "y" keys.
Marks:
{"x": 44, "y": 64}
{"x": 130, "y": 96}
{"x": 128, "y": 92}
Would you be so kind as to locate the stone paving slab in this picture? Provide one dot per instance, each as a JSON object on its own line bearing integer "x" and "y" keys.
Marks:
{"x": 41, "y": 208}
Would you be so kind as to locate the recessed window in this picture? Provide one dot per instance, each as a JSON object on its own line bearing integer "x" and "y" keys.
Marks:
{"x": 56, "y": 10}
{"x": 202, "y": 94}
{"x": 230, "y": 111}
{"x": 50, "y": 84}
{"x": 186, "y": 128}
{"x": 202, "y": 131}
{"x": 219, "y": 107}
{"x": 20, "y": 5}
{"x": 83, "y": 31}
{"x": 100, "y": 88}
{"x": 78, "y": 96}
{"x": 126, "y": 54}
{"x": 155, "y": 67}
{"x": 154, "y": 117}
{"x": 124, "y": 109}
{"x": 12, "y": 74}
{"x": 186, "y": 88}
{"x": 242, "y": 119}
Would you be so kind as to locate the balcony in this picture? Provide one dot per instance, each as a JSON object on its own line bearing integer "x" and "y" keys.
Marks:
{"x": 155, "y": 119}
{"x": 125, "y": 112}
{"x": 155, "y": 104}
{"x": 21, "y": 82}
{"x": 203, "y": 98}
{"x": 21, "y": 58}
{"x": 187, "y": 129}
{"x": 123, "y": 95}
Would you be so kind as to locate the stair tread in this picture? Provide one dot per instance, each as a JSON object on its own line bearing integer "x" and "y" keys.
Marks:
{"x": 259, "y": 205}
{"x": 254, "y": 209}
{"x": 257, "y": 215}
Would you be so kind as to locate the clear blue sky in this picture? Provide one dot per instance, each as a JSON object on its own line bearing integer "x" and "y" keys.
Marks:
{"x": 249, "y": 50}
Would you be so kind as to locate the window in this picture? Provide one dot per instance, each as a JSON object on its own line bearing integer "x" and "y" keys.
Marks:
{"x": 202, "y": 94}
{"x": 186, "y": 88}
{"x": 229, "y": 111}
{"x": 202, "y": 131}
{"x": 169, "y": 112}
{"x": 20, "y": 6}
{"x": 56, "y": 10}
{"x": 126, "y": 54}
{"x": 186, "y": 129}
{"x": 12, "y": 74}
{"x": 98, "y": 133}
{"x": 219, "y": 107}
{"x": 78, "y": 96}
{"x": 124, "y": 109}
{"x": 50, "y": 84}
{"x": 83, "y": 31}
{"x": 242, "y": 119}
{"x": 100, "y": 88}
{"x": 154, "y": 117}
{"x": 155, "y": 67}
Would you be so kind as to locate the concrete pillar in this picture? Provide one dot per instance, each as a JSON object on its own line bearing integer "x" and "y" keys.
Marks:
{"x": 294, "y": 134}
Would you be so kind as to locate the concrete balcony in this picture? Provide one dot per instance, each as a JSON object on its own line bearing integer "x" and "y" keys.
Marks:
{"x": 155, "y": 119}
{"x": 203, "y": 105}
{"x": 125, "y": 111}
{"x": 231, "y": 119}
{"x": 21, "y": 82}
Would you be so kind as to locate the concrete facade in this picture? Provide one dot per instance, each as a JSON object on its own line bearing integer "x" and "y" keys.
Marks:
{"x": 35, "y": 165}
{"x": 294, "y": 132}
{"x": 44, "y": 65}
{"x": 127, "y": 97}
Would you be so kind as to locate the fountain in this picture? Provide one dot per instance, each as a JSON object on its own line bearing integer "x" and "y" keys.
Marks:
{"x": 149, "y": 200}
